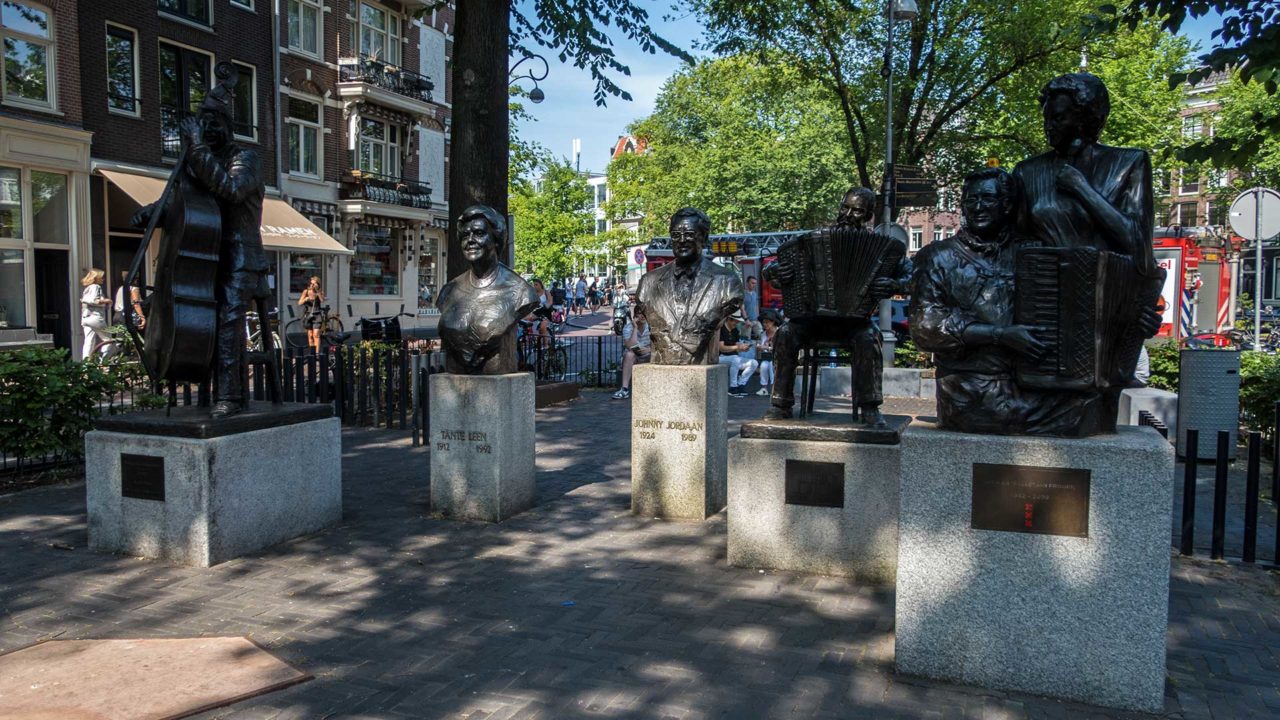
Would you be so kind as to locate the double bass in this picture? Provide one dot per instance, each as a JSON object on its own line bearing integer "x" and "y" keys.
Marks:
{"x": 182, "y": 317}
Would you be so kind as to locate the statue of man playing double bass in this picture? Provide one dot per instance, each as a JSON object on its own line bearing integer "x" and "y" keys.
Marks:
{"x": 232, "y": 175}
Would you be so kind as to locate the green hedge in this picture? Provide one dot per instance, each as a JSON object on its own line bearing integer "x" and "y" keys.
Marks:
{"x": 48, "y": 401}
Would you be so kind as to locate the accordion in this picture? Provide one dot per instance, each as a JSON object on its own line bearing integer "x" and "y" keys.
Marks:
{"x": 831, "y": 271}
{"x": 1089, "y": 302}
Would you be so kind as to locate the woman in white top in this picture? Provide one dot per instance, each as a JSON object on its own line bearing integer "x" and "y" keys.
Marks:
{"x": 93, "y": 311}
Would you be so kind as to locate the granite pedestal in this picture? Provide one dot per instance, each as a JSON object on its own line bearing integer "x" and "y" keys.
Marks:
{"x": 1080, "y": 616}
{"x": 679, "y": 415}
{"x": 895, "y": 382}
{"x": 825, "y": 505}
{"x": 482, "y": 445}
{"x": 185, "y": 489}
{"x": 1160, "y": 403}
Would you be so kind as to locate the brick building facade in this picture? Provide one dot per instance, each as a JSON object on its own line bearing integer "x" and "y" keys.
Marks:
{"x": 365, "y": 92}
{"x": 44, "y": 172}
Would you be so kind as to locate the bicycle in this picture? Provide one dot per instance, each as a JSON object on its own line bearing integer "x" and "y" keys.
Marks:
{"x": 253, "y": 331}
{"x": 295, "y": 332}
{"x": 546, "y": 355}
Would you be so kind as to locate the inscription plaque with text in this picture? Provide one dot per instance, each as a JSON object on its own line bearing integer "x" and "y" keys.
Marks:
{"x": 816, "y": 484}
{"x": 1021, "y": 498}
{"x": 142, "y": 476}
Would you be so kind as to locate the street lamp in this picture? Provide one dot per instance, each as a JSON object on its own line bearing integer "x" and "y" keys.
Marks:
{"x": 894, "y": 10}
{"x": 535, "y": 95}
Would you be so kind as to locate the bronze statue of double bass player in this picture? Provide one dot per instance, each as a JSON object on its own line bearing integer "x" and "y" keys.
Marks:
{"x": 211, "y": 208}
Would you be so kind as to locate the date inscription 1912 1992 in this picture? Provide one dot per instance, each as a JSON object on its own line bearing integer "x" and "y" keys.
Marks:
{"x": 1020, "y": 498}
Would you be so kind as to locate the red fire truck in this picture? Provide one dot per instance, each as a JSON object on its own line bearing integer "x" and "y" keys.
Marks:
{"x": 1197, "y": 293}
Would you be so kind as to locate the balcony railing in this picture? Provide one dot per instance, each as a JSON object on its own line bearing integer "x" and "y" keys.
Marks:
{"x": 388, "y": 77}
{"x": 364, "y": 185}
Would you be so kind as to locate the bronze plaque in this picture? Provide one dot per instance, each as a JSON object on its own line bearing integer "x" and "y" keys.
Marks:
{"x": 1020, "y": 498}
{"x": 142, "y": 477}
{"x": 816, "y": 484}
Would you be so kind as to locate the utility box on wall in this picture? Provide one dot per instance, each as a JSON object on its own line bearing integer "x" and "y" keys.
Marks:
{"x": 1208, "y": 399}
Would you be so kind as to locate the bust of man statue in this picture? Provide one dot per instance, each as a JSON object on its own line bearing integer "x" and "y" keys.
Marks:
{"x": 480, "y": 307}
{"x": 687, "y": 300}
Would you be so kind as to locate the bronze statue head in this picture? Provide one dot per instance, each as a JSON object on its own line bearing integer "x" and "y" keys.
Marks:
{"x": 215, "y": 112}
{"x": 857, "y": 208}
{"x": 1075, "y": 108}
{"x": 690, "y": 228}
{"x": 988, "y": 201}
{"x": 482, "y": 233}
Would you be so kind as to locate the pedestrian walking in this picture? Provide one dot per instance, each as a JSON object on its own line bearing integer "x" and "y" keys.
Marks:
{"x": 93, "y": 311}
{"x": 580, "y": 294}
{"x": 751, "y": 308}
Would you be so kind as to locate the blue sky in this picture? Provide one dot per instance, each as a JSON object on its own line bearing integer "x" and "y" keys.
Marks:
{"x": 570, "y": 112}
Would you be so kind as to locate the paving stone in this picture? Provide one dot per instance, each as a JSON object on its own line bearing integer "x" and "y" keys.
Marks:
{"x": 399, "y": 615}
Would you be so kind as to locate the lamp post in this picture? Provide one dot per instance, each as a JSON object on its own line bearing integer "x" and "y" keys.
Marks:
{"x": 535, "y": 95}
{"x": 894, "y": 10}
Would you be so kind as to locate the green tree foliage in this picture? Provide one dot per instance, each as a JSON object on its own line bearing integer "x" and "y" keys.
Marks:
{"x": 551, "y": 216}
{"x": 966, "y": 72}
{"x": 1248, "y": 43}
{"x": 1245, "y": 120}
{"x": 758, "y": 147}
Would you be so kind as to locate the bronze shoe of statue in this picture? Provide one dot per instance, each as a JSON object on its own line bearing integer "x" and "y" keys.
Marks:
{"x": 777, "y": 413}
{"x": 224, "y": 409}
{"x": 871, "y": 417}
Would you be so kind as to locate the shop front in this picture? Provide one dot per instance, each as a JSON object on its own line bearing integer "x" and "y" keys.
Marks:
{"x": 44, "y": 223}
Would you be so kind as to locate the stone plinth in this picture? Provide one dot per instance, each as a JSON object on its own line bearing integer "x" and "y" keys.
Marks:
{"x": 678, "y": 440}
{"x": 204, "y": 500}
{"x": 1076, "y": 617}
{"x": 482, "y": 458}
{"x": 783, "y": 514}
{"x": 895, "y": 382}
{"x": 1160, "y": 403}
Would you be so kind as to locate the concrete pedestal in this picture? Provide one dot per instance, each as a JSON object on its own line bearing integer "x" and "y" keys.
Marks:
{"x": 1160, "y": 403}
{"x": 482, "y": 457}
{"x": 679, "y": 416}
{"x": 1076, "y": 617}
{"x": 895, "y": 382}
{"x": 204, "y": 500}
{"x": 782, "y": 517}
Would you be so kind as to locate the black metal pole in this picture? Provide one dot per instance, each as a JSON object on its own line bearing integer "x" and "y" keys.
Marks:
{"x": 1275, "y": 457}
{"x": 1251, "y": 498}
{"x": 599, "y": 361}
{"x": 1188, "y": 547}
{"x": 1220, "y": 495}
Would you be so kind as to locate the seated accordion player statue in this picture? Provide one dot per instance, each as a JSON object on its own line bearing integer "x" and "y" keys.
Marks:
{"x": 829, "y": 272}
{"x": 1088, "y": 306}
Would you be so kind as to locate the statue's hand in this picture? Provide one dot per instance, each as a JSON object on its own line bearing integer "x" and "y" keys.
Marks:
{"x": 1070, "y": 179}
{"x": 881, "y": 288}
{"x": 192, "y": 131}
{"x": 1150, "y": 321}
{"x": 142, "y": 215}
{"x": 776, "y": 274}
{"x": 1021, "y": 339}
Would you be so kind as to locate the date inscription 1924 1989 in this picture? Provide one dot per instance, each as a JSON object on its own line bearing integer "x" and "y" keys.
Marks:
{"x": 1019, "y": 498}
{"x": 142, "y": 477}
{"x": 815, "y": 484}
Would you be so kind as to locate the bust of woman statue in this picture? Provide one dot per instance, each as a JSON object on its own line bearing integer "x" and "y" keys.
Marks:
{"x": 480, "y": 307}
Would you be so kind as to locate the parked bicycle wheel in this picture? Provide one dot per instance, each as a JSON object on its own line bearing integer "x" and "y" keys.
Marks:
{"x": 332, "y": 326}
{"x": 295, "y": 334}
{"x": 557, "y": 363}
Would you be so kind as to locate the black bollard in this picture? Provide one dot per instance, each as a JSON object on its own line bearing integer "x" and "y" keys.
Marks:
{"x": 1251, "y": 498}
{"x": 1189, "y": 495}
{"x": 1220, "y": 496}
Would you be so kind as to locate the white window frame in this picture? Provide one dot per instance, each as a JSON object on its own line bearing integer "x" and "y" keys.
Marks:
{"x": 253, "y": 84}
{"x": 244, "y": 5}
{"x": 395, "y": 40}
{"x": 1183, "y": 185}
{"x": 51, "y": 59}
{"x": 390, "y": 149}
{"x": 319, "y": 129}
{"x": 318, "y": 7}
{"x": 137, "y": 70}
{"x": 917, "y": 238}
{"x": 1192, "y": 126}
{"x": 184, "y": 19}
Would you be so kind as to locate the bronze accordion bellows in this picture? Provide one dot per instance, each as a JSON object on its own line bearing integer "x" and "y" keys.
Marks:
{"x": 832, "y": 270}
{"x": 1088, "y": 302}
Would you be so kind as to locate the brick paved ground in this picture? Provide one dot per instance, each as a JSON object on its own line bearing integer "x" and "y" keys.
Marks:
{"x": 574, "y": 608}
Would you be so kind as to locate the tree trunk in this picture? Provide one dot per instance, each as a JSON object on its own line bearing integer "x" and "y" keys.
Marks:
{"x": 481, "y": 126}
